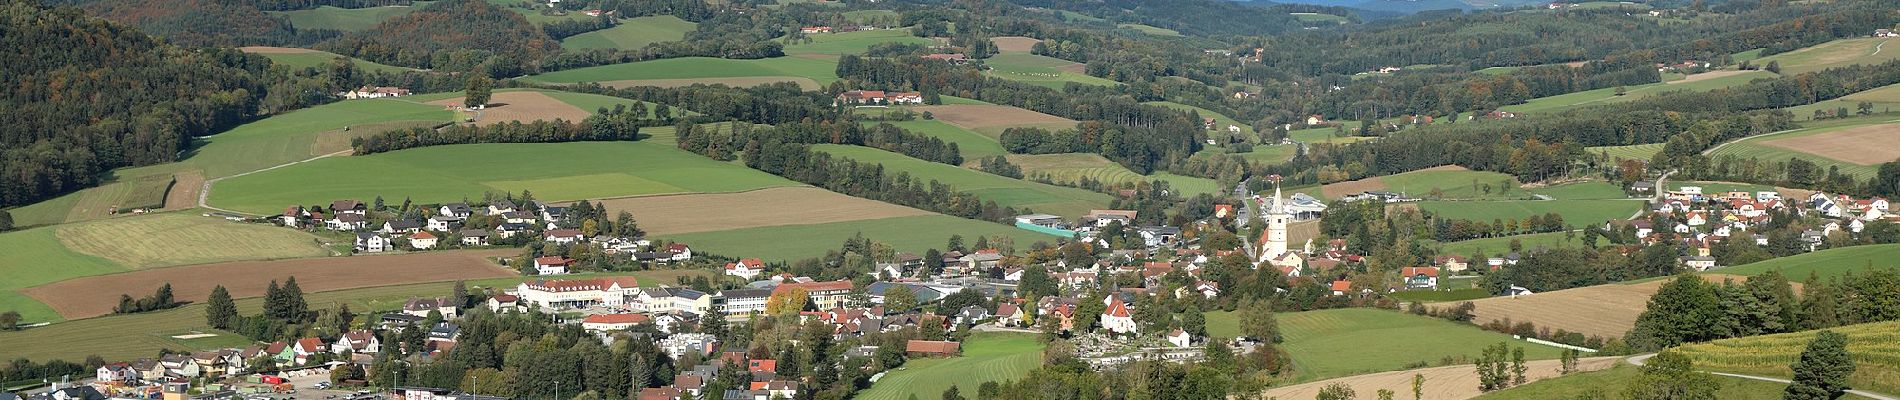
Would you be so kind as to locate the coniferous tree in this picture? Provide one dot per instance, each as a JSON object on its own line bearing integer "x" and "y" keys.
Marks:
{"x": 1822, "y": 371}
{"x": 220, "y": 310}
{"x": 295, "y": 309}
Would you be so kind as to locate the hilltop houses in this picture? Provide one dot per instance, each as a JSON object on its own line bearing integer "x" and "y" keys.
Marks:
{"x": 375, "y": 92}
{"x": 877, "y": 98}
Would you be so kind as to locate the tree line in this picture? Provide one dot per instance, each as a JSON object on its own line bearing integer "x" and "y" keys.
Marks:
{"x": 1690, "y": 309}
{"x": 615, "y": 124}
{"x": 799, "y": 162}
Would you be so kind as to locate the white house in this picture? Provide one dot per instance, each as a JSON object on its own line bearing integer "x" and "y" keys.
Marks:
{"x": 499, "y": 207}
{"x": 742, "y": 302}
{"x": 443, "y": 223}
{"x": 346, "y": 222}
{"x": 358, "y": 342}
{"x": 422, "y": 240}
{"x": 1699, "y": 263}
{"x": 747, "y": 269}
{"x": 1180, "y": 338}
{"x": 371, "y": 242}
{"x": 578, "y": 292}
{"x": 565, "y": 236}
{"x": 1419, "y": 277}
{"x": 552, "y": 265}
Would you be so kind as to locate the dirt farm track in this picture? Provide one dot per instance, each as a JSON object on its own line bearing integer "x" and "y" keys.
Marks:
{"x": 95, "y": 296}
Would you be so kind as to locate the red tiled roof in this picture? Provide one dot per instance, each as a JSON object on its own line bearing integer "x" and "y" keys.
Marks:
{"x": 1416, "y": 271}
{"x": 422, "y": 235}
{"x": 617, "y": 319}
{"x": 932, "y": 347}
{"x": 552, "y": 260}
{"x": 1116, "y": 308}
{"x": 311, "y": 344}
{"x": 762, "y": 365}
{"x": 1341, "y": 286}
{"x": 564, "y": 233}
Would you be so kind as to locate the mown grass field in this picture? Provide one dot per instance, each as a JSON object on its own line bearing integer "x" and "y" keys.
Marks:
{"x": 1875, "y": 348}
{"x": 1261, "y": 153}
{"x": 1072, "y": 167}
{"x": 1006, "y": 192}
{"x": 915, "y": 234}
{"x": 1757, "y": 147}
{"x": 1351, "y": 341}
{"x": 346, "y": 19}
{"x": 1152, "y": 30}
{"x": 823, "y": 71}
{"x": 1592, "y": 190}
{"x": 1837, "y": 53}
{"x": 837, "y": 44}
{"x": 35, "y": 257}
{"x": 969, "y": 143}
{"x": 1326, "y": 134}
{"x": 552, "y": 171}
{"x": 1826, "y": 263}
{"x": 1575, "y": 212}
{"x": 1590, "y": 97}
{"x": 1501, "y": 245}
{"x": 1455, "y": 183}
{"x": 292, "y": 136}
{"x": 987, "y": 357}
{"x": 1612, "y": 382}
{"x": 1041, "y": 70}
{"x": 322, "y": 59}
{"x": 632, "y": 33}
{"x": 133, "y": 336}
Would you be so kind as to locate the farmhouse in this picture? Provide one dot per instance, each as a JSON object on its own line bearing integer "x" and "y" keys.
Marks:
{"x": 1315, "y": 120}
{"x": 580, "y": 292}
{"x": 815, "y": 29}
{"x": 1101, "y": 218}
{"x": 375, "y": 92}
{"x": 953, "y": 58}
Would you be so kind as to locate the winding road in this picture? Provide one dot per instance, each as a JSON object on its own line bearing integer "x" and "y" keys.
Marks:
{"x": 1640, "y": 358}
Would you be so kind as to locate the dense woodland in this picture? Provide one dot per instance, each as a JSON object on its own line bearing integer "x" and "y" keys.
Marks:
{"x": 453, "y": 35}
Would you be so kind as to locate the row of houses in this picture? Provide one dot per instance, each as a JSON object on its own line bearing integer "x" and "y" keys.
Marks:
{"x": 877, "y": 98}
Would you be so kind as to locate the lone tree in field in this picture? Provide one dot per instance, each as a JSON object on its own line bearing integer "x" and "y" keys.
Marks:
{"x": 219, "y": 309}
{"x": 478, "y": 91}
{"x": 1822, "y": 371}
{"x": 1337, "y": 391}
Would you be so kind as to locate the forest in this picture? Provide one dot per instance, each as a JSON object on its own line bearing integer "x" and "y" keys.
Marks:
{"x": 454, "y": 35}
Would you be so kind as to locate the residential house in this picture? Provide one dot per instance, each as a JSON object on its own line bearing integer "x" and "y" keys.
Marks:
{"x": 1315, "y": 120}
{"x": 552, "y": 214}
{"x": 1180, "y": 338}
{"x": 458, "y": 210}
{"x": 501, "y": 206}
{"x": 474, "y": 237}
{"x": 1101, "y": 218}
{"x": 1159, "y": 236}
{"x": 552, "y": 265}
{"x": 1699, "y": 263}
{"x": 747, "y": 268}
{"x": 348, "y": 207}
{"x": 981, "y": 260}
{"x": 970, "y": 315}
{"x": 1009, "y": 314}
{"x": 679, "y": 252}
{"x": 116, "y": 372}
{"x": 371, "y": 242}
{"x": 1451, "y": 263}
{"x": 422, "y": 240}
{"x": 1419, "y": 277}
{"x": 565, "y": 236}
{"x": 510, "y": 229}
{"x": 375, "y": 92}
{"x": 400, "y": 226}
{"x": 815, "y": 29}
{"x": 613, "y": 322}
{"x": 422, "y": 306}
{"x": 504, "y": 302}
{"x": 680, "y": 344}
{"x": 211, "y": 363}
{"x": 346, "y": 222}
{"x": 444, "y": 223}
{"x": 306, "y": 347}
{"x": 357, "y": 342}
{"x": 444, "y": 332}
{"x": 658, "y": 393}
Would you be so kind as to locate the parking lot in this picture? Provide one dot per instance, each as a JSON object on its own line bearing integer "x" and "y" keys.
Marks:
{"x": 305, "y": 383}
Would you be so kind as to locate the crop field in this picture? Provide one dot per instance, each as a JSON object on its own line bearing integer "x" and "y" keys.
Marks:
{"x": 1014, "y": 44}
{"x": 633, "y": 33}
{"x": 1592, "y": 190}
{"x": 1837, "y": 53}
{"x": 1875, "y": 348}
{"x": 95, "y": 296}
{"x": 1602, "y": 310}
{"x": 702, "y": 68}
{"x": 1072, "y": 167}
{"x": 1261, "y": 153}
{"x": 1613, "y": 381}
{"x": 36, "y": 257}
{"x": 837, "y": 44}
{"x": 1501, "y": 245}
{"x": 1575, "y": 212}
{"x": 1152, "y": 30}
{"x": 298, "y": 59}
{"x": 914, "y": 234}
{"x": 1453, "y": 181}
{"x": 1450, "y": 382}
{"x": 520, "y": 106}
{"x": 572, "y": 171}
{"x": 1326, "y": 134}
{"x": 1856, "y": 146}
{"x": 688, "y": 213}
{"x": 971, "y": 144}
{"x": 1700, "y": 82}
{"x": 991, "y": 120}
{"x": 1041, "y": 70}
{"x": 1006, "y": 192}
{"x": 1639, "y": 152}
{"x": 987, "y": 357}
{"x": 1343, "y": 342}
{"x": 346, "y": 19}
{"x": 168, "y": 239}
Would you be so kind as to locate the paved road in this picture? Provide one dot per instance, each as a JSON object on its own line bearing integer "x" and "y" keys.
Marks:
{"x": 1640, "y": 358}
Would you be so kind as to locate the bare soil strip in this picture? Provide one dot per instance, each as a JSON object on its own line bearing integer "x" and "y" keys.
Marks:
{"x": 676, "y": 214}
{"x": 521, "y": 106}
{"x": 1342, "y": 189}
{"x": 1014, "y": 44}
{"x": 1455, "y": 382}
{"x": 1603, "y": 310}
{"x": 95, "y": 296}
{"x": 1867, "y": 145}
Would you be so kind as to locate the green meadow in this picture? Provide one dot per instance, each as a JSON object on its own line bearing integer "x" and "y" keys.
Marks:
{"x": 36, "y": 257}
{"x": 1639, "y": 152}
{"x": 1006, "y": 192}
{"x": 1575, "y": 212}
{"x": 1317, "y": 17}
{"x": 1070, "y": 168}
{"x": 1455, "y": 183}
{"x": 1591, "y": 97}
{"x": 971, "y": 144}
{"x": 1351, "y": 341}
{"x": 1152, "y": 30}
{"x": 837, "y": 44}
{"x": 346, "y": 19}
{"x": 915, "y": 234}
{"x": 293, "y": 136}
{"x": 1837, "y": 53}
{"x": 987, "y": 357}
{"x": 1041, "y": 70}
{"x": 553, "y": 171}
{"x": 632, "y": 33}
{"x": 1592, "y": 190}
{"x": 1826, "y": 263}
{"x": 823, "y": 71}
{"x": 322, "y": 59}
{"x": 1611, "y": 382}
{"x": 1501, "y": 245}
{"x": 1755, "y": 147}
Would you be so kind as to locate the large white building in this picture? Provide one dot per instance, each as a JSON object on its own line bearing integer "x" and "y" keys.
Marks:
{"x": 1273, "y": 241}
{"x": 578, "y": 292}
